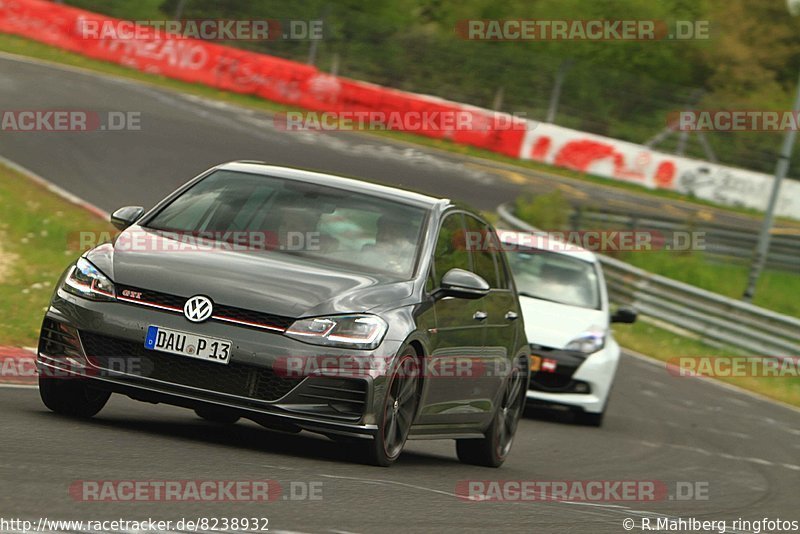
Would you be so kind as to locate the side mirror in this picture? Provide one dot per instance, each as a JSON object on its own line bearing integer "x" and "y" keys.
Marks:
{"x": 624, "y": 315}
{"x": 463, "y": 284}
{"x": 124, "y": 217}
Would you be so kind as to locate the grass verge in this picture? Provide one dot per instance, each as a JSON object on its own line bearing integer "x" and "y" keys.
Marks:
{"x": 664, "y": 345}
{"x": 36, "y": 227}
{"x": 776, "y": 290}
{"x": 27, "y": 47}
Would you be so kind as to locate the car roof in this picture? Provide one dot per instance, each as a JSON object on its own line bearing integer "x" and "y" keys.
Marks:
{"x": 544, "y": 241}
{"x": 340, "y": 182}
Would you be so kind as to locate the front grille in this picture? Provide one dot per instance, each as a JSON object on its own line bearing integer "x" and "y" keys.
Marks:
{"x": 549, "y": 381}
{"x": 59, "y": 340}
{"x": 556, "y": 383}
{"x": 233, "y": 379}
{"x": 152, "y": 297}
{"x": 250, "y": 318}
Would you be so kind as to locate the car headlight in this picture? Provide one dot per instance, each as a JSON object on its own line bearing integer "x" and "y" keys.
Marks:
{"x": 588, "y": 342}
{"x": 85, "y": 280}
{"x": 351, "y": 331}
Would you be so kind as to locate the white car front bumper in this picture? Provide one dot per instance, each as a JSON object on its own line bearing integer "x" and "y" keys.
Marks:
{"x": 598, "y": 370}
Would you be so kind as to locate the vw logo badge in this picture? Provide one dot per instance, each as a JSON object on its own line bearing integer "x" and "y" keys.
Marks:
{"x": 198, "y": 308}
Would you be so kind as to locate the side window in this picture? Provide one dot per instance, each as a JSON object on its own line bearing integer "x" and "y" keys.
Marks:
{"x": 500, "y": 260}
{"x": 450, "y": 250}
{"x": 481, "y": 247}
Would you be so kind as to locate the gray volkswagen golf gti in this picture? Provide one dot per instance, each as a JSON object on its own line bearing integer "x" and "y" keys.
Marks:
{"x": 301, "y": 301}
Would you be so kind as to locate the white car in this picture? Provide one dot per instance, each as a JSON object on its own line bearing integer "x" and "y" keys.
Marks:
{"x": 567, "y": 321}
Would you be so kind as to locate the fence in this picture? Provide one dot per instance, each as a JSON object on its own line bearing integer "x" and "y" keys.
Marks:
{"x": 724, "y": 241}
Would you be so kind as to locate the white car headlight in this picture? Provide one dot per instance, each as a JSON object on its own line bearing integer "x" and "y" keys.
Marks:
{"x": 351, "y": 331}
{"x": 588, "y": 342}
{"x": 85, "y": 280}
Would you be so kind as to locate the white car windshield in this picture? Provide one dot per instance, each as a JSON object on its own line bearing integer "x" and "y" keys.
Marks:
{"x": 555, "y": 277}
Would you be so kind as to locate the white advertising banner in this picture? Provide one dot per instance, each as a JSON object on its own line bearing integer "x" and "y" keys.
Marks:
{"x": 628, "y": 162}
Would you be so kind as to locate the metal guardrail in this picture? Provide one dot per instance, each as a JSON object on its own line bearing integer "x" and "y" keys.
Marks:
{"x": 784, "y": 250}
{"x": 710, "y": 316}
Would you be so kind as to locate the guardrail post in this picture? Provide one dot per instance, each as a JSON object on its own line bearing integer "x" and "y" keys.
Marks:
{"x": 576, "y": 219}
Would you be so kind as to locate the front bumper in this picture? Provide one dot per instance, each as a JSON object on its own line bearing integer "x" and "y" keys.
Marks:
{"x": 578, "y": 381}
{"x": 104, "y": 342}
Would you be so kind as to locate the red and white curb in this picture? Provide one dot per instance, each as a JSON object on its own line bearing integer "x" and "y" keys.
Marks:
{"x": 18, "y": 367}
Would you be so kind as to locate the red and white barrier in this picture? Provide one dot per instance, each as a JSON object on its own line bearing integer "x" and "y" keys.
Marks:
{"x": 628, "y": 162}
{"x": 227, "y": 68}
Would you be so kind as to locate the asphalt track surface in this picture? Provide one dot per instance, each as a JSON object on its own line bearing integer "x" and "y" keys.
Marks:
{"x": 744, "y": 450}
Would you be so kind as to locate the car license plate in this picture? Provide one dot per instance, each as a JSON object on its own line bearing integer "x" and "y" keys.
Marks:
{"x": 185, "y": 344}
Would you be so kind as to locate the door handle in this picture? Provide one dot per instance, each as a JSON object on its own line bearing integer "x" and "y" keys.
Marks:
{"x": 480, "y": 316}
{"x": 511, "y": 316}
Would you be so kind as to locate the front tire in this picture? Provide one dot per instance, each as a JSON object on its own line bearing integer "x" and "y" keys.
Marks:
{"x": 72, "y": 397}
{"x": 492, "y": 450}
{"x": 399, "y": 411}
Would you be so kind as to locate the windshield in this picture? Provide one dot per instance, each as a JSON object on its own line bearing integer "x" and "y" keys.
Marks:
{"x": 556, "y": 277}
{"x": 323, "y": 225}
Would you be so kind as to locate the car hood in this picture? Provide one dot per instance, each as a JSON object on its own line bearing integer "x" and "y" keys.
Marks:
{"x": 269, "y": 282}
{"x": 551, "y": 324}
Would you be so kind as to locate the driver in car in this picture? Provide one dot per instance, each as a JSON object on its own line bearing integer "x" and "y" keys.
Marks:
{"x": 394, "y": 244}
